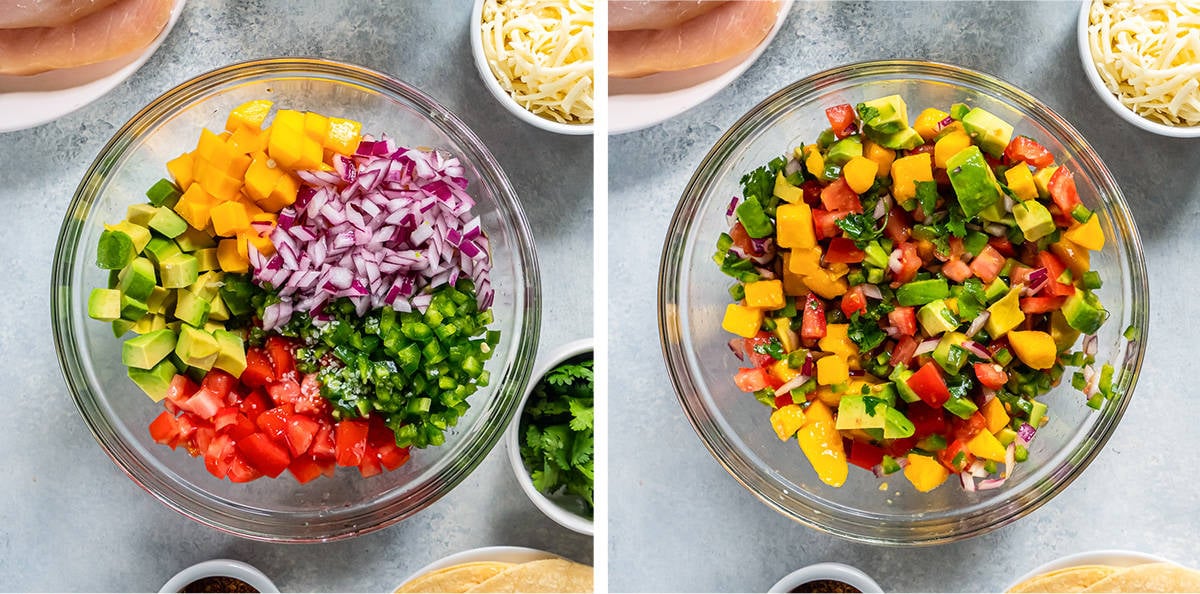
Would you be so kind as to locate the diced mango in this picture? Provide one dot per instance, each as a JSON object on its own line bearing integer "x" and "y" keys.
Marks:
{"x": 782, "y": 372}
{"x": 195, "y": 213}
{"x": 985, "y": 445}
{"x": 907, "y": 171}
{"x": 245, "y": 141}
{"x": 793, "y": 284}
{"x": 261, "y": 177}
{"x": 289, "y": 118}
{"x": 180, "y": 168}
{"x": 1019, "y": 179}
{"x": 786, "y": 191}
{"x": 997, "y": 418}
{"x": 311, "y": 156}
{"x": 344, "y": 136}
{"x": 262, "y": 243}
{"x": 826, "y": 284}
{"x": 949, "y": 145}
{"x": 1073, "y": 255}
{"x": 765, "y": 294}
{"x": 250, "y": 114}
{"x": 832, "y": 370}
{"x": 787, "y": 420}
{"x": 229, "y": 258}
{"x": 818, "y": 412}
{"x": 1034, "y": 348}
{"x": 928, "y": 123}
{"x": 217, "y": 153}
{"x": 219, "y": 183}
{"x": 794, "y": 226}
{"x": 925, "y": 473}
{"x": 882, "y": 157}
{"x": 1005, "y": 314}
{"x": 229, "y": 219}
{"x": 741, "y": 320}
{"x": 285, "y": 145}
{"x": 1087, "y": 235}
{"x": 252, "y": 209}
{"x": 804, "y": 261}
{"x": 316, "y": 126}
{"x": 860, "y": 173}
{"x": 822, "y": 445}
{"x": 813, "y": 161}
{"x": 283, "y": 195}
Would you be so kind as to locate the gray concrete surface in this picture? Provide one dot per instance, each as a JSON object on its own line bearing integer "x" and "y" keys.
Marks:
{"x": 70, "y": 520}
{"x": 679, "y": 522}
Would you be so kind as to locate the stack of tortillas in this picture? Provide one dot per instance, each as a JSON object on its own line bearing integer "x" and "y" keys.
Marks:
{"x": 545, "y": 575}
{"x": 1149, "y": 577}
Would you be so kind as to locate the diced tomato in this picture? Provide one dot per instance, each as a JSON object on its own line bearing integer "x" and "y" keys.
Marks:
{"x": 392, "y": 456}
{"x": 258, "y": 372}
{"x": 748, "y": 379}
{"x": 322, "y": 444}
{"x": 1002, "y": 245}
{"x": 305, "y": 468}
{"x": 825, "y": 223}
{"x": 904, "y": 318}
{"x": 180, "y": 390}
{"x": 864, "y": 455}
{"x": 279, "y": 350}
{"x": 812, "y": 192}
{"x": 350, "y": 438}
{"x": 1041, "y": 305}
{"x": 969, "y": 427}
{"x": 784, "y": 399}
{"x": 231, "y": 420}
{"x": 838, "y": 196}
{"x": 992, "y": 376}
{"x": 204, "y": 403}
{"x": 1024, "y": 148}
{"x": 310, "y": 401}
{"x": 1062, "y": 190}
{"x": 899, "y": 226}
{"x": 928, "y": 384}
{"x": 926, "y": 419}
{"x": 1054, "y": 269}
{"x": 903, "y": 351}
{"x": 741, "y": 239}
{"x": 370, "y": 465}
{"x": 274, "y": 422}
{"x": 262, "y": 453}
{"x": 898, "y": 448}
{"x": 218, "y": 455}
{"x": 218, "y": 382}
{"x": 855, "y": 300}
{"x": 910, "y": 264}
{"x": 924, "y": 148}
{"x": 755, "y": 344}
{"x": 187, "y": 424}
{"x": 956, "y": 456}
{"x": 841, "y": 120}
{"x": 202, "y": 439}
{"x": 284, "y": 391}
{"x": 300, "y": 432}
{"x": 254, "y": 404}
{"x": 956, "y": 270}
{"x": 844, "y": 251}
{"x": 164, "y": 429}
{"x": 240, "y": 471}
{"x": 988, "y": 264}
{"x": 812, "y": 322}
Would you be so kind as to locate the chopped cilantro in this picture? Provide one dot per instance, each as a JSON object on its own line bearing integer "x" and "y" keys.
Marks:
{"x": 866, "y": 113}
{"x": 860, "y": 228}
{"x": 558, "y": 431}
{"x": 927, "y": 196}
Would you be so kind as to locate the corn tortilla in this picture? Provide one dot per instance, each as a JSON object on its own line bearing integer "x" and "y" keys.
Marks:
{"x": 1070, "y": 579}
{"x": 456, "y": 578}
{"x": 1150, "y": 577}
{"x": 546, "y": 575}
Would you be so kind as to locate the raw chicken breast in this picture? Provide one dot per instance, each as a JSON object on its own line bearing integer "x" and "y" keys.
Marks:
{"x": 19, "y": 14}
{"x": 124, "y": 27}
{"x": 733, "y": 28}
{"x": 626, "y": 15}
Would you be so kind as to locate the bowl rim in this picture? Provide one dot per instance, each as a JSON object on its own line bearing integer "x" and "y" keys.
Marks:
{"x": 1106, "y": 96}
{"x": 829, "y": 570}
{"x": 563, "y": 517}
{"x": 838, "y": 522}
{"x": 222, "y": 515}
{"x": 221, "y": 567}
{"x": 493, "y": 86}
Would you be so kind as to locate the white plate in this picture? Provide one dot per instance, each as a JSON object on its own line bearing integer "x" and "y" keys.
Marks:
{"x": 637, "y": 103}
{"x": 28, "y": 101}
{"x": 1116, "y": 558}
{"x": 500, "y": 554}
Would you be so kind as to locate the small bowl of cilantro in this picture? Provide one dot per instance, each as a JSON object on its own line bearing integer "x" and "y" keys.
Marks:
{"x": 550, "y": 444}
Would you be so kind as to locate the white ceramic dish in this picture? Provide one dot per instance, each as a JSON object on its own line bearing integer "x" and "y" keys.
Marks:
{"x": 28, "y": 101}
{"x": 1109, "y": 99}
{"x": 493, "y": 87}
{"x": 828, "y": 571}
{"x": 638, "y": 103}
{"x": 221, "y": 567}
{"x": 500, "y": 554}
{"x": 1114, "y": 557}
{"x": 564, "y": 517}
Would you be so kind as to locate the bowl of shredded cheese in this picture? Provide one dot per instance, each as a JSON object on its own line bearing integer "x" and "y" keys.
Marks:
{"x": 536, "y": 59}
{"x": 1143, "y": 59}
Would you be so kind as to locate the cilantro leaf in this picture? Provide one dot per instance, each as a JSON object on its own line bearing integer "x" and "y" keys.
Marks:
{"x": 927, "y": 196}
{"x": 760, "y": 183}
{"x": 866, "y": 113}
{"x": 557, "y": 424}
{"x": 870, "y": 402}
{"x": 865, "y": 332}
{"x": 957, "y": 224}
{"x": 581, "y": 415}
{"x": 860, "y": 228}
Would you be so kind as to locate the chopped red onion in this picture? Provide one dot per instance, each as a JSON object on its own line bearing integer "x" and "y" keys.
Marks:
{"x": 1089, "y": 345}
{"x": 995, "y": 229}
{"x": 894, "y": 260}
{"x": 872, "y": 291}
{"x": 735, "y": 345}
{"x": 881, "y": 209}
{"x": 1026, "y": 432}
{"x": 1010, "y": 459}
{"x": 968, "y": 483}
{"x": 791, "y": 384}
{"x": 977, "y": 469}
{"x": 946, "y": 121}
{"x": 1037, "y": 279}
{"x": 986, "y": 395}
{"x": 978, "y": 323}
{"x": 926, "y": 347}
{"x": 809, "y": 365}
{"x": 988, "y": 484}
{"x": 732, "y": 207}
{"x": 793, "y": 165}
{"x": 976, "y": 349}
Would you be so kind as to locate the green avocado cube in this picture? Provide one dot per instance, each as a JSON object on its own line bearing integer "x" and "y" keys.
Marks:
{"x": 208, "y": 259}
{"x": 906, "y": 139}
{"x": 997, "y": 289}
{"x": 196, "y": 348}
{"x": 1034, "y": 219}
{"x": 164, "y": 193}
{"x": 936, "y": 318}
{"x": 207, "y": 285}
{"x": 217, "y": 312}
{"x": 1041, "y": 179}
{"x": 194, "y": 239}
{"x": 1084, "y": 312}
{"x": 191, "y": 309}
{"x": 121, "y": 327}
{"x": 853, "y": 413}
{"x": 178, "y": 270}
{"x": 1037, "y": 414}
{"x": 114, "y": 250}
{"x": 1006, "y": 436}
{"x": 104, "y": 304}
{"x": 137, "y": 233}
{"x": 845, "y": 149}
{"x": 145, "y": 351}
{"x": 140, "y": 214}
{"x": 138, "y": 279}
{"x": 890, "y": 114}
{"x": 132, "y": 309}
{"x": 155, "y": 382}
{"x": 974, "y": 183}
{"x": 960, "y": 407}
{"x": 231, "y": 354}
{"x": 949, "y": 354}
{"x": 160, "y": 300}
{"x": 923, "y": 291}
{"x": 992, "y": 133}
{"x": 168, "y": 223}
{"x": 896, "y": 425}
{"x": 899, "y": 377}
{"x": 1005, "y": 314}
{"x": 160, "y": 248}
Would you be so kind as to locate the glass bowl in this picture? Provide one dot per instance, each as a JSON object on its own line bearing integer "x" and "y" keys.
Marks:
{"x": 734, "y": 426}
{"x": 118, "y": 413}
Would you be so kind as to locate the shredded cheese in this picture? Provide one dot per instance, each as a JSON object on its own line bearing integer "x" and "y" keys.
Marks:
{"x": 540, "y": 51}
{"x": 1148, "y": 54}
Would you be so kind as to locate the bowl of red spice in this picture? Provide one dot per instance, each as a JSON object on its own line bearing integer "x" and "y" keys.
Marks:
{"x": 220, "y": 575}
{"x": 827, "y": 577}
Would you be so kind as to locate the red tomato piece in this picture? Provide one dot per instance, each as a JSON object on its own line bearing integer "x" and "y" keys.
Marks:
{"x": 1041, "y": 305}
{"x": 843, "y": 250}
{"x": 274, "y": 422}
{"x": 180, "y": 390}
{"x": 926, "y": 419}
{"x": 756, "y": 358}
{"x": 825, "y": 223}
{"x": 956, "y": 457}
{"x": 284, "y": 391}
{"x": 204, "y": 404}
{"x": 370, "y": 465}
{"x": 279, "y": 351}
{"x": 864, "y": 455}
{"x": 904, "y": 318}
{"x": 812, "y": 322}
{"x": 855, "y": 300}
{"x": 910, "y": 264}
{"x": 969, "y": 427}
{"x": 164, "y": 429}
{"x": 1002, "y": 245}
{"x": 218, "y": 455}
{"x": 310, "y": 401}
{"x": 225, "y": 417}
{"x": 1054, "y": 269}
{"x": 899, "y": 226}
{"x": 928, "y": 384}
{"x": 812, "y": 192}
{"x": 201, "y": 440}
{"x": 988, "y": 264}
{"x": 218, "y": 382}
{"x": 322, "y": 444}
{"x": 1024, "y": 148}
{"x": 258, "y": 372}
{"x": 841, "y": 120}
{"x": 741, "y": 239}
{"x": 392, "y": 456}
{"x": 903, "y": 352}
{"x": 1019, "y": 275}
{"x": 350, "y": 437}
{"x": 898, "y": 448}
{"x": 839, "y": 196}
{"x": 263, "y": 454}
{"x": 784, "y": 399}
{"x": 255, "y": 404}
{"x": 300, "y": 431}
{"x": 992, "y": 376}
{"x": 748, "y": 379}
{"x": 1062, "y": 190}
{"x": 240, "y": 471}
{"x": 957, "y": 270}
{"x": 305, "y": 469}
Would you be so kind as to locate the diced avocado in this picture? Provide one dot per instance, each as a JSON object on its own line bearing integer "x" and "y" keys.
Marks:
{"x": 845, "y": 149}
{"x": 178, "y": 271}
{"x": 949, "y": 353}
{"x": 237, "y": 291}
{"x": 890, "y": 114}
{"x": 160, "y": 301}
{"x": 958, "y": 110}
{"x": 137, "y": 280}
{"x": 1006, "y": 436}
{"x": 154, "y": 382}
{"x": 217, "y": 312}
{"x": 231, "y": 353}
{"x": 854, "y": 413}
{"x": 160, "y": 248}
{"x": 194, "y": 239}
{"x": 974, "y": 242}
{"x": 180, "y": 366}
{"x": 168, "y": 223}
{"x": 876, "y": 255}
{"x": 1041, "y": 179}
{"x": 163, "y": 193}
{"x": 211, "y": 326}
{"x": 149, "y": 323}
{"x": 138, "y": 234}
{"x": 899, "y": 377}
{"x": 991, "y": 132}
{"x": 208, "y": 259}
{"x": 114, "y": 277}
{"x": 905, "y": 139}
{"x": 1034, "y": 219}
{"x": 121, "y": 327}
{"x": 885, "y": 392}
{"x": 923, "y": 291}
{"x": 935, "y": 318}
{"x": 140, "y": 213}
{"x": 960, "y": 407}
{"x": 207, "y": 285}
{"x": 114, "y": 250}
{"x": 1037, "y": 414}
{"x": 1061, "y": 331}
{"x": 132, "y": 309}
{"x": 196, "y": 347}
{"x": 995, "y": 290}
{"x": 996, "y": 214}
{"x": 191, "y": 309}
{"x": 896, "y": 425}
{"x": 104, "y": 305}
{"x": 973, "y": 181}
{"x": 1084, "y": 312}
{"x": 1005, "y": 314}
{"x": 145, "y": 351}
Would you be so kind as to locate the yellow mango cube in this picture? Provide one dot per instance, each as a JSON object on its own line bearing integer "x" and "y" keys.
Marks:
{"x": 837, "y": 341}
{"x": 180, "y": 169}
{"x": 794, "y": 226}
{"x": 311, "y": 156}
{"x": 1019, "y": 179}
{"x": 1073, "y": 255}
{"x": 827, "y": 284}
{"x": 229, "y": 218}
{"x": 262, "y": 243}
{"x": 882, "y": 157}
{"x": 818, "y": 412}
{"x": 786, "y": 191}
{"x": 282, "y": 195}
{"x": 741, "y": 320}
{"x": 997, "y": 418}
{"x": 1042, "y": 180}
{"x": 229, "y": 258}
{"x": 250, "y": 114}
{"x": 907, "y": 171}
{"x": 285, "y": 144}
{"x": 822, "y": 445}
{"x": 343, "y": 136}
{"x": 195, "y": 213}
{"x": 832, "y": 370}
{"x": 949, "y": 145}
{"x": 787, "y": 420}
{"x": 765, "y": 294}
{"x": 793, "y": 284}
{"x": 860, "y": 173}
{"x": 289, "y": 118}
{"x": 782, "y": 372}
{"x": 261, "y": 177}
{"x": 925, "y": 473}
{"x": 220, "y": 185}
{"x": 195, "y": 193}
{"x": 804, "y": 261}
{"x": 985, "y": 445}
{"x": 316, "y": 126}
{"x": 1034, "y": 348}
{"x": 814, "y": 162}
{"x": 245, "y": 141}
{"x": 928, "y": 123}
{"x": 252, "y": 209}
{"x": 1087, "y": 235}
{"x": 216, "y": 152}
